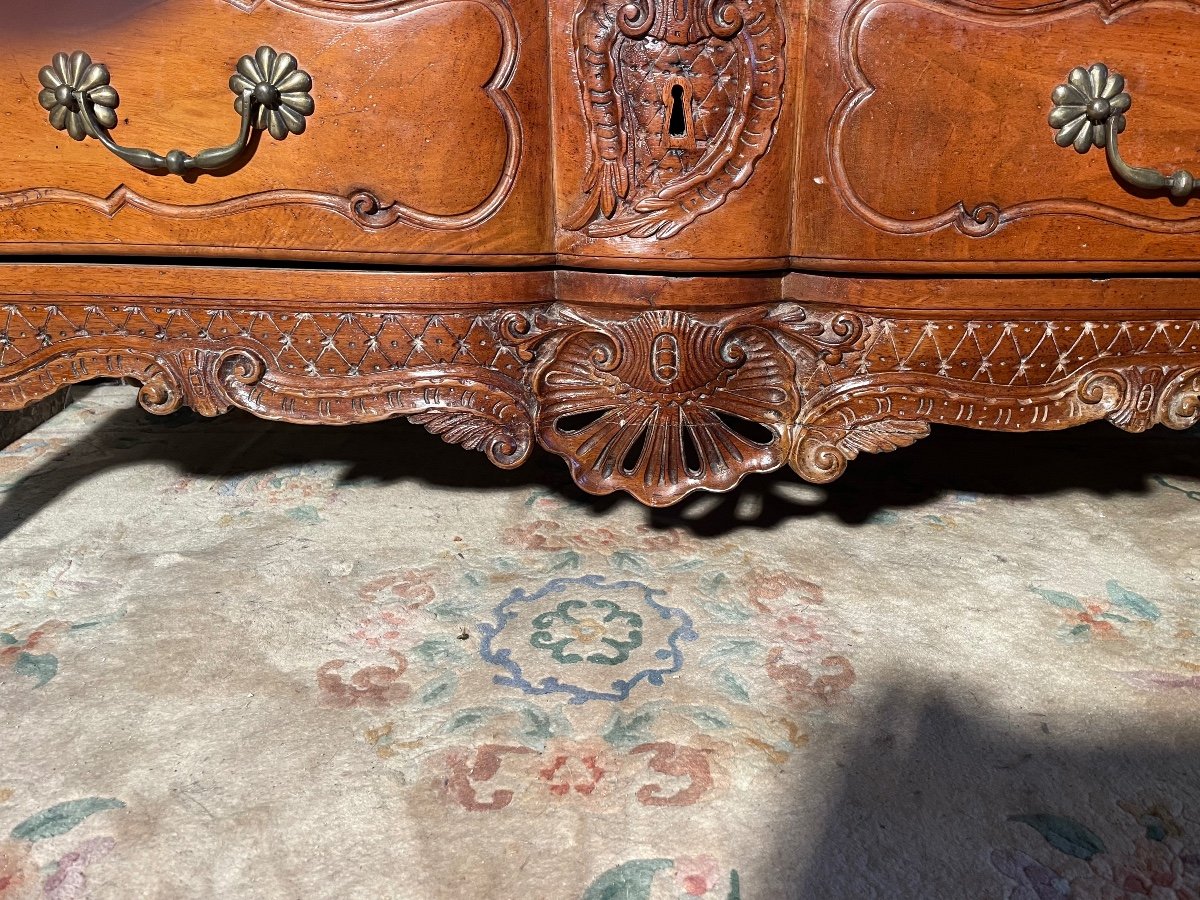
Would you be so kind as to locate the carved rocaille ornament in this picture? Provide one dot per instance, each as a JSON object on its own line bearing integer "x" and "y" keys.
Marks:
{"x": 665, "y": 402}
{"x": 658, "y": 403}
{"x": 681, "y": 100}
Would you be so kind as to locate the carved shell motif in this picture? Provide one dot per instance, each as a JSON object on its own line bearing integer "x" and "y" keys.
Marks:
{"x": 663, "y": 404}
{"x": 681, "y": 99}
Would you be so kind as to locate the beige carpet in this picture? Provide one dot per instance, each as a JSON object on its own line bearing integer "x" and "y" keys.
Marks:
{"x": 241, "y": 659}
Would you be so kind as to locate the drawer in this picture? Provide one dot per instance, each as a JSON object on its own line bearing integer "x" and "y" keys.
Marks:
{"x": 927, "y": 142}
{"x": 427, "y": 140}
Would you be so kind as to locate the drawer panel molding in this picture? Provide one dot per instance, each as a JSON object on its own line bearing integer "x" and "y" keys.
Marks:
{"x": 982, "y": 140}
{"x": 338, "y": 10}
{"x": 361, "y": 207}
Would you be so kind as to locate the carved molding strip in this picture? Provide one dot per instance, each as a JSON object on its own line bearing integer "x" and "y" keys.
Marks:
{"x": 983, "y": 219}
{"x": 362, "y": 207}
{"x": 340, "y": 10}
{"x": 680, "y": 99}
{"x": 658, "y": 403}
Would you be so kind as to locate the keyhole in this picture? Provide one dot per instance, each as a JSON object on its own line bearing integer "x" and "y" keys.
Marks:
{"x": 678, "y": 125}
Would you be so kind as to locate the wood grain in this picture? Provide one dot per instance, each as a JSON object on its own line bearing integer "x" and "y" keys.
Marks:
{"x": 435, "y": 150}
{"x": 925, "y": 146}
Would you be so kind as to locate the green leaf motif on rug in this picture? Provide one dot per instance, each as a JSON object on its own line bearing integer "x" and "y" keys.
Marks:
{"x": 307, "y": 514}
{"x": 629, "y": 731}
{"x": 731, "y": 685}
{"x": 737, "y": 649}
{"x": 705, "y": 717}
{"x": 568, "y": 559}
{"x": 1134, "y": 603}
{"x": 632, "y": 880}
{"x": 433, "y": 650}
{"x": 1059, "y": 599}
{"x": 61, "y": 818}
{"x": 629, "y": 562}
{"x": 568, "y": 624}
{"x": 42, "y": 666}
{"x": 439, "y": 689}
{"x": 1063, "y": 834}
{"x": 536, "y": 727}
{"x": 471, "y": 717}
{"x": 449, "y": 609}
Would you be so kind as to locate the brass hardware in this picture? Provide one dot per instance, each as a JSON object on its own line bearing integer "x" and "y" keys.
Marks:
{"x": 272, "y": 95}
{"x": 1089, "y": 111}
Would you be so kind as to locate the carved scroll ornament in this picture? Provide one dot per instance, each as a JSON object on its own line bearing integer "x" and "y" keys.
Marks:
{"x": 658, "y": 403}
{"x": 681, "y": 99}
{"x": 665, "y": 402}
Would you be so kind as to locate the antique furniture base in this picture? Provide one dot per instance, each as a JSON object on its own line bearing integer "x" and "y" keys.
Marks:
{"x": 655, "y": 385}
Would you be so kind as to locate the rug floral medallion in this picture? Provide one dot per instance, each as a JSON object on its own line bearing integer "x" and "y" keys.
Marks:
{"x": 241, "y": 659}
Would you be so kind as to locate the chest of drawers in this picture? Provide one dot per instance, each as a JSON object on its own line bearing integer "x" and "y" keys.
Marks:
{"x": 673, "y": 241}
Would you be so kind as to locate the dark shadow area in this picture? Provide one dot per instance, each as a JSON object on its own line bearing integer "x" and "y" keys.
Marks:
{"x": 1097, "y": 458}
{"x": 937, "y": 799}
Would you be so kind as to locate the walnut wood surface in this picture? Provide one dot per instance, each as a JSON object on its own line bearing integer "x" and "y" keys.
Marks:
{"x": 925, "y": 145}
{"x": 850, "y": 135}
{"x": 696, "y": 239}
{"x": 429, "y": 144}
{"x": 655, "y": 400}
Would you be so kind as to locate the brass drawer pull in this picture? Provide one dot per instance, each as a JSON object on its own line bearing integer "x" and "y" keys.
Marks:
{"x": 272, "y": 95}
{"x": 1089, "y": 110}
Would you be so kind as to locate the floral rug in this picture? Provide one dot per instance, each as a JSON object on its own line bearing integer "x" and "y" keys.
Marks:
{"x": 243, "y": 659}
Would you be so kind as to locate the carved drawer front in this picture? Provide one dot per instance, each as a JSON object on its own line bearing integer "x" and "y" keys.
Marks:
{"x": 675, "y": 129}
{"x": 398, "y": 130}
{"x": 975, "y": 132}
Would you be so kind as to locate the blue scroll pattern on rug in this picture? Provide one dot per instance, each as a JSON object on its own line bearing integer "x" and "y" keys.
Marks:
{"x": 573, "y": 635}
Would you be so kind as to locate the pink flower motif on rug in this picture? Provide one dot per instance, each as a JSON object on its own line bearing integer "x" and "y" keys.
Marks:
{"x": 766, "y": 587}
{"x": 410, "y": 588}
{"x": 30, "y": 654}
{"x": 697, "y": 875}
{"x": 644, "y": 879}
{"x": 370, "y": 686}
{"x": 1119, "y": 614}
{"x": 18, "y": 871}
{"x": 65, "y": 879}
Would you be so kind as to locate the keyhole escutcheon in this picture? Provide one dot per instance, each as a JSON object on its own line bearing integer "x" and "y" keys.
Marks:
{"x": 677, "y": 123}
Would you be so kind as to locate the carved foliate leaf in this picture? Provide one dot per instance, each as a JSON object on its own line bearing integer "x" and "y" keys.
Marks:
{"x": 882, "y": 437}
{"x": 506, "y": 443}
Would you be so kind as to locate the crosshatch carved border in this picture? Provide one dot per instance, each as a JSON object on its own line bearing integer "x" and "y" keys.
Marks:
{"x": 658, "y": 403}
{"x": 362, "y": 207}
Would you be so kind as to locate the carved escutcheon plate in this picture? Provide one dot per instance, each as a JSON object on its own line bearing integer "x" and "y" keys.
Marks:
{"x": 681, "y": 99}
